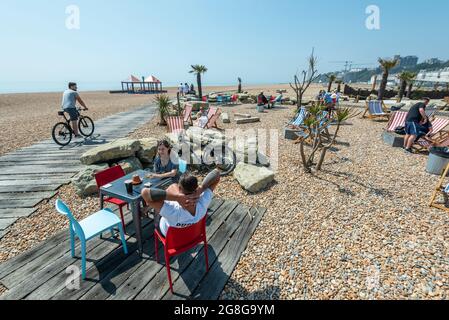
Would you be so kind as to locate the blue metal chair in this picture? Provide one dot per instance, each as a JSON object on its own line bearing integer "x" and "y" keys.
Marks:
{"x": 220, "y": 100}
{"x": 95, "y": 225}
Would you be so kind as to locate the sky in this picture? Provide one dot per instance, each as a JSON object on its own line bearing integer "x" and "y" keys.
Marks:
{"x": 261, "y": 41}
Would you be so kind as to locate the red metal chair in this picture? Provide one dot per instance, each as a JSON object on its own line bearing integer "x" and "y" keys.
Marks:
{"x": 180, "y": 240}
{"x": 107, "y": 176}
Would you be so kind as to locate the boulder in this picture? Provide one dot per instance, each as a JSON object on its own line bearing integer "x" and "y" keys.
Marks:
{"x": 130, "y": 165}
{"x": 253, "y": 178}
{"x": 119, "y": 149}
{"x": 173, "y": 138}
{"x": 84, "y": 182}
{"x": 225, "y": 118}
{"x": 198, "y": 135}
{"x": 148, "y": 150}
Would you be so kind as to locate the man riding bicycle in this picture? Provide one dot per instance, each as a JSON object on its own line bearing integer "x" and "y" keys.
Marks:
{"x": 69, "y": 99}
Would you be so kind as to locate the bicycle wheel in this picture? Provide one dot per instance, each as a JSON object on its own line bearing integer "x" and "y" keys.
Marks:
{"x": 225, "y": 161}
{"x": 86, "y": 126}
{"x": 62, "y": 134}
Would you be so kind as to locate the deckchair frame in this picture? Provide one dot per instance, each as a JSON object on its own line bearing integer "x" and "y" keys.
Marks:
{"x": 386, "y": 113}
{"x": 439, "y": 190}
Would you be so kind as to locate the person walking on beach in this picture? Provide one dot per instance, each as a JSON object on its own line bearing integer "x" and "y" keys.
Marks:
{"x": 69, "y": 99}
{"x": 181, "y": 89}
{"x": 186, "y": 89}
{"x": 415, "y": 124}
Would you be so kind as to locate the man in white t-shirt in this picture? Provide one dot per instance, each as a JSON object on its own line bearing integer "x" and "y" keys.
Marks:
{"x": 183, "y": 204}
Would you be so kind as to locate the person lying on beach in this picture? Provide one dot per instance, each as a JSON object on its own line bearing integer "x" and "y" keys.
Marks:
{"x": 163, "y": 165}
{"x": 69, "y": 99}
{"x": 183, "y": 204}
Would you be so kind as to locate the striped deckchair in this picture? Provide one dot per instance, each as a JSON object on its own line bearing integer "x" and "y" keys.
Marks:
{"x": 299, "y": 119}
{"x": 324, "y": 125}
{"x": 175, "y": 124}
{"x": 375, "y": 109}
{"x": 188, "y": 114}
{"x": 214, "y": 115}
{"x": 439, "y": 136}
{"x": 397, "y": 119}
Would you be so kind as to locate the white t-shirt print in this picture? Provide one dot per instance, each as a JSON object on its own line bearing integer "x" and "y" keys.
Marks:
{"x": 175, "y": 216}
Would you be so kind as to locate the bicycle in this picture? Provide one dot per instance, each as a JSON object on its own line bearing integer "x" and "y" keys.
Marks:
{"x": 63, "y": 133}
{"x": 214, "y": 156}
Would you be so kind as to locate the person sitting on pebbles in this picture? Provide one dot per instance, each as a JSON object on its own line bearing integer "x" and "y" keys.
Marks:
{"x": 183, "y": 204}
{"x": 164, "y": 167}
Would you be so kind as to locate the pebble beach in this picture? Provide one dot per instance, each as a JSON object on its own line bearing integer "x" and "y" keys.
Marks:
{"x": 361, "y": 228}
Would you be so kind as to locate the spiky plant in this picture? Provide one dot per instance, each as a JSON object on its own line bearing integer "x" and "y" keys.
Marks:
{"x": 163, "y": 104}
{"x": 386, "y": 65}
{"x": 199, "y": 70}
{"x": 406, "y": 77}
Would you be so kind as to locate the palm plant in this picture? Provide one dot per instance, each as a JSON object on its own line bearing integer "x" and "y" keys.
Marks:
{"x": 339, "y": 82}
{"x": 199, "y": 70}
{"x": 386, "y": 66}
{"x": 331, "y": 78}
{"x": 163, "y": 104}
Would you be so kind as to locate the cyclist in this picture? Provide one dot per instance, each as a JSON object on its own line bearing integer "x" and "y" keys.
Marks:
{"x": 69, "y": 99}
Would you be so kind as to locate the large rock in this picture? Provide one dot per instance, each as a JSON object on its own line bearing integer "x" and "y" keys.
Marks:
{"x": 253, "y": 178}
{"x": 148, "y": 150}
{"x": 84, "y": 182}
{"x": 119, "y": 149}
{"x": 130, "y": 165}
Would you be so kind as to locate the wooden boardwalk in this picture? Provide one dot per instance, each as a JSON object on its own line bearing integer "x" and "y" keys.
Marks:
{"x": 41, "y": 273}
{"x": 35, "y": 173}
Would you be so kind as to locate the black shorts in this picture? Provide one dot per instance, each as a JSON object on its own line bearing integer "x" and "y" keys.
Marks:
{"x": 73, "y": 113}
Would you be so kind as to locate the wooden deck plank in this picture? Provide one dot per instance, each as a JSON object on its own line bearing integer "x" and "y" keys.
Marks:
{"x": 18, "y": 263}
{"x": 6, "y": 222}
{"x": 31, "y": 281}
{"x": 103, "y": 257}
{"x": 17, "y": 213}
{"x": 32, "y": 182}
{"x": 146, "y": 273}
{"x": 224, "y": 266}
{"x": 27, "y": 195}
{"x": 185, "y": 283}
{"x": 3, "y": 233}
{"x": 25, "y": 203}
{"x": 31, "y": 188}
{"x": 37, "y": 176}
{"x": 159, "y": 286}
{"x": 32, "y": 169}
{"x": 136, "y": 273}
{"x": 54, "y": 162}
{"x": 112, "y": 275}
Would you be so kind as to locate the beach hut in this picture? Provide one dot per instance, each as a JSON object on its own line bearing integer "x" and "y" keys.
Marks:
{"x": 131, "y": 83}
{"x": 153, "y": 84}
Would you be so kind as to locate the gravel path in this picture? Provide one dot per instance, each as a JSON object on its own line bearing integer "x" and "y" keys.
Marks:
{"x": 361, "y": 229}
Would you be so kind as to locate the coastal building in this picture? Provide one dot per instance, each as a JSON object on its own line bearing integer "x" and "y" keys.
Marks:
{"x": 407, "y": 62}
{"x": 439, "y": 76}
